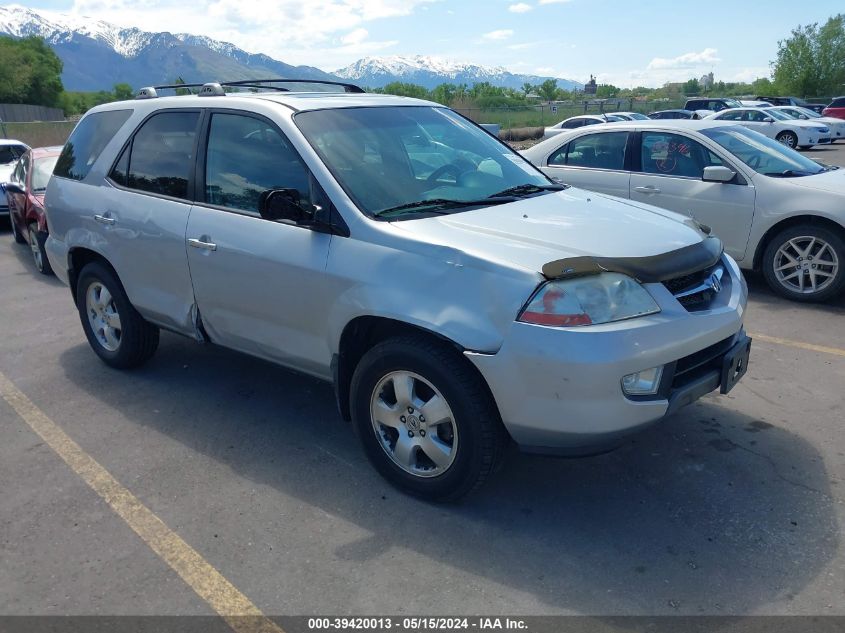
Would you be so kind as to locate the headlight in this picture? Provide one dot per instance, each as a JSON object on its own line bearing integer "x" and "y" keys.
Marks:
{"x": 602, "y": 298}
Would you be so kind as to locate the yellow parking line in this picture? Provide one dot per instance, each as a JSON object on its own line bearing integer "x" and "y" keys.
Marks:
{"x": 240, "y": 613}
{"x": 790, "y": 343}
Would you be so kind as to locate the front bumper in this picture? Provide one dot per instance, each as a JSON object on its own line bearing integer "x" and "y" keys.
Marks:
{"x": 559, "y": 389}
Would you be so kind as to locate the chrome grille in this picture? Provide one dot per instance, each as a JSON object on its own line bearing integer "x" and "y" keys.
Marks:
{"x": 698, "y": 290}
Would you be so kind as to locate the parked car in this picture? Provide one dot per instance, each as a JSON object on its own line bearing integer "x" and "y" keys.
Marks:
{"x": 25, "y": 196}
{"x": 836, "y": 126}
{"x": 835, "y": 108}
{"x": 10, "y": 151}
{"x": 714, "y": 105}
{"x": 776, "y": 210}
{"x": 793, "y": 101}
{"x": 579, "y": 121}
{"x": 673, "y": 114}
{"x": 791, "y": 132}
{"x": 453, "y": 294}
{"x": 630, "y": 116}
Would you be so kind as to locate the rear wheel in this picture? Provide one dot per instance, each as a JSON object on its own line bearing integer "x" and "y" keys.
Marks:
{"x": 790, "y": 139}
{"x": 806, "y": 263}
{"x": 36, "y": 245}
{"x": 119, "y": 335}
{"x": 425, "y": 418}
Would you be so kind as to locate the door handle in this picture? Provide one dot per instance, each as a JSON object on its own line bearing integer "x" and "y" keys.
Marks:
{"x": 648, "y": 189}
{"x": 104, "y": 219}
{"x": 200, "y": 244}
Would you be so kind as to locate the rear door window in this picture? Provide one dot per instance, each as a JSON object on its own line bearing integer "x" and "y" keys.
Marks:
{"x": 160, "y": 157}
{"x": 669, "y": 154}
{"x": 596, "y": 151}
{"x": 87, "y": 142}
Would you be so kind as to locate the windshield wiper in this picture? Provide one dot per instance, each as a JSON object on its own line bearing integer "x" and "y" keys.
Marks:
{"x": 792, "y": 173}
{"x": 528, "y": 188}
{"x": 438, "y": 205}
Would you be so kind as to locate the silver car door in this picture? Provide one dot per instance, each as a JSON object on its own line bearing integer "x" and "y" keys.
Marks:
{"x": 143, "y": 214}
{"x": 593, "y": 161}
{"x": 670, "y": 173}
{"x": 258, "y": 283}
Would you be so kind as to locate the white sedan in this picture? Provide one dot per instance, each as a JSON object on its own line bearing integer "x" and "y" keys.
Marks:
{"x": 837, "y": 126}
{"x": 774, "y": 209}
{"x": 574, "y": 122}
{"x": 791, "y": 132}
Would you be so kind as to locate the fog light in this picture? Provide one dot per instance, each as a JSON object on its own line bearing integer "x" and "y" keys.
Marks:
{"x": 643, "y": 383}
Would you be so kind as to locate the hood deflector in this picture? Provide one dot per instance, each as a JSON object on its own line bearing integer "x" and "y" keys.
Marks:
{"x": 652, "y": 269}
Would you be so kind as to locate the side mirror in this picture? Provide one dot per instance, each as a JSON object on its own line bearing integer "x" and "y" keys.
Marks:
{"x": 768, "y": 119}
{"x": 718, "y": 173}
{"x": 12, "y": 187}
{"x": 284, "y": 204}
{"x": 803, "y": 117}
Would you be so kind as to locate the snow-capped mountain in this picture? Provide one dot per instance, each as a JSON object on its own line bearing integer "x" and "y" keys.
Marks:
{"x": 430, "y": 71}
{"x": 97, "y": 55}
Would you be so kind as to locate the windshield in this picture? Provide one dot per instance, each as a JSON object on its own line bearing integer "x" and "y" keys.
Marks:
{"x": 42, "y": 172}
{"x": 391, "y": 157}
{"x": 732, "y": 103}
{"x": 809, "y": 113}
{"x": 777, "y": 114}
{"x": 762, "y": 154}
{"x": 637, "y": 116}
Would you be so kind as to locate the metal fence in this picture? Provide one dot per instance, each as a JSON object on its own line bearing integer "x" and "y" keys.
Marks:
{"x": 38, "y": 133}
{"x": 21, "y": 113}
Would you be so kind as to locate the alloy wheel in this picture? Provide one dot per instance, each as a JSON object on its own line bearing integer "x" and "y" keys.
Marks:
{"x": 36, "y": 249}
{"x": 103, "y": 316}
{"x": 806, "y": 264}
{"x": 414, "y": 424}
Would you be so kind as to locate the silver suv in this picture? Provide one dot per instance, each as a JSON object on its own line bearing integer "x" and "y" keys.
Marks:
{"x": 454, "y": 295}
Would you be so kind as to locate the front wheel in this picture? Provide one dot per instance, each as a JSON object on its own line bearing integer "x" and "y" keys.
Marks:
{"x": 119, "y": 335}
{"x": 806, "y": 263}
{"x": 425, "y": 418}
{"x": 790, "y": 139}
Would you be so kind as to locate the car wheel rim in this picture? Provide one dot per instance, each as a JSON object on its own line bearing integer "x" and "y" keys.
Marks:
{"x": 103, "y": 316}
{"x": 36, "y": 250}
{"x": 788, "y": 140}
{"x": 806, "y": 264}
{"x": 414, "y": 424}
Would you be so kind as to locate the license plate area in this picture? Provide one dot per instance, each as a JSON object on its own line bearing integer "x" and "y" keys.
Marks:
{"x": 735, "y": 364}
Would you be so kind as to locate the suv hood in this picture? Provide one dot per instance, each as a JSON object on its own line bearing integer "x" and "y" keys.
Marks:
{"x": 572, "y": 223}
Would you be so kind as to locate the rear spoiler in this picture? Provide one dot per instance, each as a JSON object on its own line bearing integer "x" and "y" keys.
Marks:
{"x": 652, "y": 269}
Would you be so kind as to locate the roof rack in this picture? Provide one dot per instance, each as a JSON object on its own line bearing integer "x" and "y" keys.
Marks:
{"x": 216, "y": 89}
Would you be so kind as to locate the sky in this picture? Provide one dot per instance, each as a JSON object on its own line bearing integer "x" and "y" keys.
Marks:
{"x": 623, "y": 42}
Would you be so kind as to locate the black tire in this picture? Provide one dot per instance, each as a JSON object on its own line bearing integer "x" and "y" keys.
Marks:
{"x": 790, "y": 139}
{"x": 138, "y": 338}
{"x": 836, "y": 243}
{"x": 37, "y": 239}
{"x": 479, "y": 429}
{"x": 15, "y": 233}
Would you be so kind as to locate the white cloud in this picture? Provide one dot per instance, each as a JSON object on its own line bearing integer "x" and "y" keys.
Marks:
{"x": 314, "y": 32}
{"x": 355, "y": 37}
{"x": 554, "y": 1}
{"x": 687, "y": 60}
{"x": 520, "y": 7}
{"x": 501, "y": 34}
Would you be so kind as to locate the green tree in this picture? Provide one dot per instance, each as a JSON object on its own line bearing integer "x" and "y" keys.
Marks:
{"x": 402, "y": 89}
{"x": 548, "y": 90}
{"x": 691, "y": 87}
{"x": 811, "y": 62}
{"x": 123, "y": 92}
{"x": 527, "y": 88}
{"x": 30, "y": 72}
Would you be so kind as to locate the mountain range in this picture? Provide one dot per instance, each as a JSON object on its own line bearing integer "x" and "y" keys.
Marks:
{"x": 97, "y": 55}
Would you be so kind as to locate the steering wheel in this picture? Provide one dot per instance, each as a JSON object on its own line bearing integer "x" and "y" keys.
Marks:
{"x": 443, "y": 170}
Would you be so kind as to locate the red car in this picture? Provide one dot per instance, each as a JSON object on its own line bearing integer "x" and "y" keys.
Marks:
{"x": 835, "y": 108}
{"x": 25, "y": 195}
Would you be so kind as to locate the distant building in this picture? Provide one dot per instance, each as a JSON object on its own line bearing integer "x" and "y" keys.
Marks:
{"x": 590, "y": 87}
{"x": 706, "y": 81}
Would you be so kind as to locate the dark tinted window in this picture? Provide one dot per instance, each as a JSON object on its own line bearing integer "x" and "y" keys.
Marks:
{"x": 759, "y": 117}
{"x": 247, "y": 157}
{"x": 120, "y": 172}
{"x": 675, "y": 155}
{"x": 732, "y": 116}
{"x": 598, "y": 151}
{"x": 10, "y": 153}
{"x": 162, "y": 154}
{"x": 571, "y": 125}
{"x": 837, "y": 103}
{"x": 87, "y": 141}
